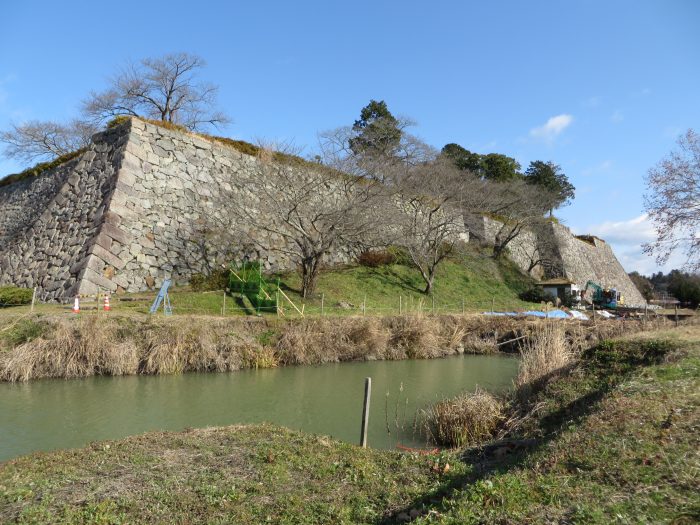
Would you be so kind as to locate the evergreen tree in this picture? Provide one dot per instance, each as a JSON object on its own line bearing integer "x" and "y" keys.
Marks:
{"x": 377, "y": 132}
{"x": 500, "y": 168}
{"x": 464, "y": 159}
{"x": 550, "y": 177}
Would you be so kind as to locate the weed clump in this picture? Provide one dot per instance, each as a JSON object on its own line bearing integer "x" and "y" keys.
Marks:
{"x": 376, "y": 258}
{"x": 468, "y": 419}
{"x": 217, "y": 279}
{"x": 544, "y": 354}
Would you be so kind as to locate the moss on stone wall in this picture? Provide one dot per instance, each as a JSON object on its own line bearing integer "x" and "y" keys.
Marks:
{"x": 40, "y": 168}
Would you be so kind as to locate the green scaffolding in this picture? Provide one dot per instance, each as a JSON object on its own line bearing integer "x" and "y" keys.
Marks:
{"x": 248, "y": 281}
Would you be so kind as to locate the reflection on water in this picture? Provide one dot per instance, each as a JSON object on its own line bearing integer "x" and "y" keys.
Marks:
{"x": 50, "y": 414}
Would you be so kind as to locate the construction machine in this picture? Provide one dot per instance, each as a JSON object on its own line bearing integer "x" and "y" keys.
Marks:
{"x": 603, "y": 297}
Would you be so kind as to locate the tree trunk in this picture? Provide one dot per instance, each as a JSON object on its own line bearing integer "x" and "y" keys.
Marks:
{"x": 429, "y": 279}
{"x": 309, "y": 275}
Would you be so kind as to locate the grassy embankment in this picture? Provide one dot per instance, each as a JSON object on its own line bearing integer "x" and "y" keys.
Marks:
{"x": 473, "y": 277}
{"x": 613, "y": 440}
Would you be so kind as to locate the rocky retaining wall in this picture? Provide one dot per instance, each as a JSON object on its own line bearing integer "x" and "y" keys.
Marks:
{"x": 136, "y": 208}
{"x": 49, "y": 222}
{"x": 128, "y": 213}
{"x": 562, "y": 254}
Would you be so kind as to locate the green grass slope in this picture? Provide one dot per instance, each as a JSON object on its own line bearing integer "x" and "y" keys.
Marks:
{"x": 472, "y": 279}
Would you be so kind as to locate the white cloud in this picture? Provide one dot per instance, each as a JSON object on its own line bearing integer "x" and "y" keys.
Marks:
{"x": 626, "y": 239}
{"x": 632, "y": 231}
{"x": 617, "y": 116}
{"x": 552, "y": 128}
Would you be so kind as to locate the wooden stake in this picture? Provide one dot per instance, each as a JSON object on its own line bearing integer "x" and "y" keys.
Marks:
{"x": 33, "y": 300}
{"x": 676, "y": 311}
{"x": 323, "y": 296}
{"x": 365, "y": 412}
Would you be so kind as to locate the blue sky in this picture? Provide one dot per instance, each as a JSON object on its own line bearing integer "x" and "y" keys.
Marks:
{"x": 602, "y": 88}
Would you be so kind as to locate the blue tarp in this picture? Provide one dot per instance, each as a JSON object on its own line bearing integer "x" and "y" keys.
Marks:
{"x": 553, "y": 314}
{"x": 558, "y": 314}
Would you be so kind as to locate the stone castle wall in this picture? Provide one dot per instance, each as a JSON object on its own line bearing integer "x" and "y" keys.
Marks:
{"x": 49, "y": 222}
{"x": 523, "y": 250}
{"x": 130, "y": 212}
{"x": 567, "y": 255}
{"x": 135, "y": 208}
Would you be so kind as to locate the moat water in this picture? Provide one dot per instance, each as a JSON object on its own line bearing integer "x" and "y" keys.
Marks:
{"x": 52, "y": 414}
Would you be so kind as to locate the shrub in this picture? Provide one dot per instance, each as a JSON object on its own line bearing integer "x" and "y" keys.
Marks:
{"x": 374, "y": 259}
{"x": 216, "y": 280}
{"x": 400, "y": 255}
{"x": 468, "y": 419}
{"x": 14, "y": 296}
{"x": 118, "y": 121}
{"x": 535, "y": 295}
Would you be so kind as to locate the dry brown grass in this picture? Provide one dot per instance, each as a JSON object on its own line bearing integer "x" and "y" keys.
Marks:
{"x": 545, "y": 353}
{"x": 468, "y": 419}
{"x": 61, "y": 346}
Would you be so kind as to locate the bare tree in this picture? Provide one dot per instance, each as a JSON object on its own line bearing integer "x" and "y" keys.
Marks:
{"x": 673, "y": 202}
{"x": 300, "y": 213}
{"x": 164, "y": 88}
{"x": 427, "y": 219}
{"x": 45, "y": 140}
{"x": 541, "y": 254}
{"x": 375, "y": 163}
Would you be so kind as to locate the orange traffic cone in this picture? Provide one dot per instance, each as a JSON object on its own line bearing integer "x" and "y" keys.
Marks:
{"x": 76, "y": 305}
{"x": 106, "y": 307}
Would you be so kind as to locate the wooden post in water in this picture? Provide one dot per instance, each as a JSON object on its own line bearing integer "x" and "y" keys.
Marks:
{"x": 33, "y": 300}
{"x": 365, "y": 412}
